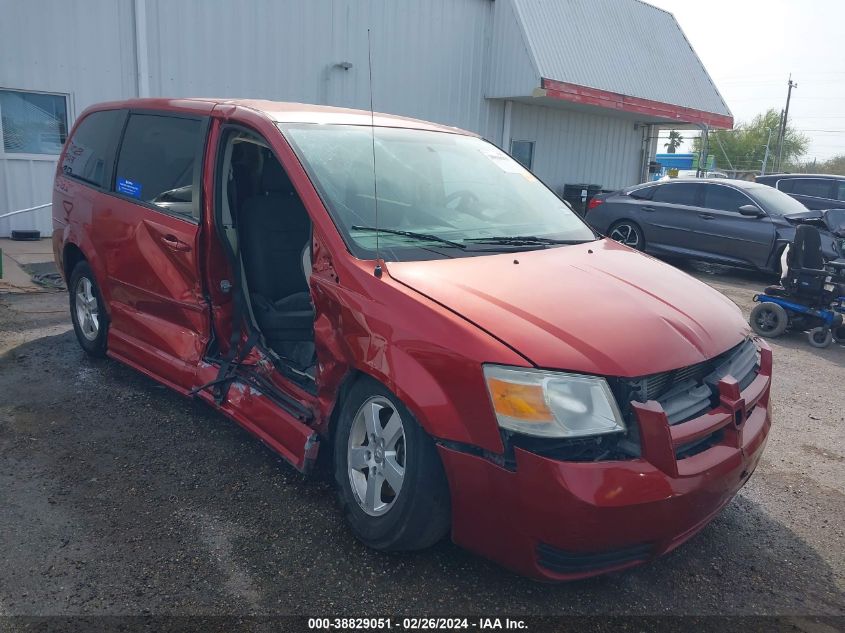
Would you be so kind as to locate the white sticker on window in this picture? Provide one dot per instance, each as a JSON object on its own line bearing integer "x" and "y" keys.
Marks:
{"x": 502, "y": 160}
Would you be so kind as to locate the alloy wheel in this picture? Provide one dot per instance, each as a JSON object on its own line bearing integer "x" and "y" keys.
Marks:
{"x": 376, "y": 456}
{"x": 87, "y": 309}
{"x": 766, "y": 320}
{"x": 626, "y": 234}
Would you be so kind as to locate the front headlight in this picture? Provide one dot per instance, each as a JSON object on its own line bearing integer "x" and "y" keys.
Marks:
{"x": 551, "y": 404}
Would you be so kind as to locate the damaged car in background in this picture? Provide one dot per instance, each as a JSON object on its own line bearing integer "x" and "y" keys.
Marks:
{"x": 725, "y": 221}
{"x": 408, "y": 298}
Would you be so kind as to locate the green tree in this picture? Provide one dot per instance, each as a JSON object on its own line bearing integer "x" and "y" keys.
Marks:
{"x": 675, "y": 140}
{"x": 745, "y": 146}
{"x": 835, "y": 165}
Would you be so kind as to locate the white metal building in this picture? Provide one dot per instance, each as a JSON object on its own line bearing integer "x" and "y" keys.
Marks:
{"x": 573, "y": 88}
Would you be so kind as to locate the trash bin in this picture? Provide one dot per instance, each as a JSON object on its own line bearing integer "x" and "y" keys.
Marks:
{"x": 576, "y": 195}
{"x": 580, "y": 195}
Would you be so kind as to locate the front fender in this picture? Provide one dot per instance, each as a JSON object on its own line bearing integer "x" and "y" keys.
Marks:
{"x": 425, "y": 354}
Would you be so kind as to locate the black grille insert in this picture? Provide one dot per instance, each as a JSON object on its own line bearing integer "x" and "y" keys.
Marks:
{"x": 690, "y": 391}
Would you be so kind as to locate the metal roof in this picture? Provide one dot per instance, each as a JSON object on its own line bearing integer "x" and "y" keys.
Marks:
{"x": 626, "y": 47}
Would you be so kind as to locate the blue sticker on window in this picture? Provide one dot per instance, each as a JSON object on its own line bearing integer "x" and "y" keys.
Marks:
{"x": 129, "y": 188}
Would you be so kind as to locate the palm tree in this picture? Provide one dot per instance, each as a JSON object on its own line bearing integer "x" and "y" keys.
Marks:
{"x": 675, "y": 140}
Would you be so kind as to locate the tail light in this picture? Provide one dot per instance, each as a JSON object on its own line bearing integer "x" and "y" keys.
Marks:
{"x": 592, "y": 204}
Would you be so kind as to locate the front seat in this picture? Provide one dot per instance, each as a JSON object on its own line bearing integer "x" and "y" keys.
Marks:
{"x": 274, "y": 227}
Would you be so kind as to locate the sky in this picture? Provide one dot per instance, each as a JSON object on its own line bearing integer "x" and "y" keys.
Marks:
{"x": 750, "y": 47}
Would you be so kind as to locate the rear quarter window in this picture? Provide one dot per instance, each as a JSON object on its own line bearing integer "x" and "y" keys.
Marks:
{"x": 784, "y": 185}
{"x": 642, "y": 193}
{"x": 89, "y": 155}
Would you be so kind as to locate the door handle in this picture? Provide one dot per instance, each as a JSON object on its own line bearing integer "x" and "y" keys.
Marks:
{"x": 175, "y": 244}
{"x": 647, "y": 208}
{"x": 705, "y": 216}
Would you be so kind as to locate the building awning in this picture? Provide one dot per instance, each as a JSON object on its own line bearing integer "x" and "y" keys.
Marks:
{"x": 624, "y": 56}
{"x": 651, "y": 110}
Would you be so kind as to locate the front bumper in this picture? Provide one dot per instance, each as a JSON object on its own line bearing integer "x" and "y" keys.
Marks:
{"x": 555, "y": 520}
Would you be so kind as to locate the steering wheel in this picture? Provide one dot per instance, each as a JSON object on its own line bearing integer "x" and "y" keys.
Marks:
{"x": 465, "y": 199}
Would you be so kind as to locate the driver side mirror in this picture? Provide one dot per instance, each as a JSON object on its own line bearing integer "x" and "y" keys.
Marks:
{"x": 751, "y": 211}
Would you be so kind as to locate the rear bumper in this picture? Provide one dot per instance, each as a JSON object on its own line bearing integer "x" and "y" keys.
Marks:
{"x": 554, "y": 520}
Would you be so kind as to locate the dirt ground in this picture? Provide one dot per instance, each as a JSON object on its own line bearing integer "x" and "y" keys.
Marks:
{"x": 119, "y": 497}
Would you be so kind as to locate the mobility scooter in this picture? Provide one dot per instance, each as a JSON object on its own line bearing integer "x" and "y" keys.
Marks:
{"x": 811, "y": 299}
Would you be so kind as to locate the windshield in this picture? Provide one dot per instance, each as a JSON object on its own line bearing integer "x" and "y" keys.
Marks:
{"x": 773, "y": 201}
{"x": 439, "y": 194}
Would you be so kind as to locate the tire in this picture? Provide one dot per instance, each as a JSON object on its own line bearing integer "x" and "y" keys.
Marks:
{"x": 628, "y": 233}
{"x": 418, "y": 514}
{"x": 87, "y": 311}
{"x": 769, "y": 320}
{"x": 820, "y": 337}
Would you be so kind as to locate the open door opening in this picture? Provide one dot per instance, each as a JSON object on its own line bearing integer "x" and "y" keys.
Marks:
{"x": 268, "y": 234}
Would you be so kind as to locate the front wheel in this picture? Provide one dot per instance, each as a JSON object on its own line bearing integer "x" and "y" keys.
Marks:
{"x": 390, "y": 480}
{"x": 627, "y": 233}
{"x": 87, "y": 312}
{"x": 769, "y": 320}
{"x": 820, "y": 337}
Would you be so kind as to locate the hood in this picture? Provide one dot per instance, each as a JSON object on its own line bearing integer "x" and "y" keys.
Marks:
{"x": 832, "y": 220}
{"x": 598, "y": 308}
{"x": 802, "y": 217}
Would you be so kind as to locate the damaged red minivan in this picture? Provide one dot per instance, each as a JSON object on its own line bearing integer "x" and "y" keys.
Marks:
{"x": 411, "y": 299}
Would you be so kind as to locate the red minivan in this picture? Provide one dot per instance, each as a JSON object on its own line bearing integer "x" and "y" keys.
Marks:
{"x": 409, "y": 298}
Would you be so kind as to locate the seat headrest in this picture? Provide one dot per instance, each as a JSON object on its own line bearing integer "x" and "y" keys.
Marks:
{"x": 274, "y": 179}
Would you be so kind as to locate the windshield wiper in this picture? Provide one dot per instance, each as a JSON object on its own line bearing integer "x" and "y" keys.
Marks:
{"x": 521, "y": 240}
{"x": 417, "y": 236}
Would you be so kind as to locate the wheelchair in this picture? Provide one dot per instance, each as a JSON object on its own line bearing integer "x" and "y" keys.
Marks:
{"x": 811, "y": 299}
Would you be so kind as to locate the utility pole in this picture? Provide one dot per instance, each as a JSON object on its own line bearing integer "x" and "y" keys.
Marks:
{"x": 705, "y": 150}
{"x": 782, "y": 137}
{"x": 766, "y": 157}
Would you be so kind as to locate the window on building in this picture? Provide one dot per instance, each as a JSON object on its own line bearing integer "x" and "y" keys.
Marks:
{"x": 523, "y": 153}
{"x": 33, "y": 122}
{"x": 678, "y": 193}
{"x": 90, "y": 151}
{"x": 816, "y": 187}
{"x": 724, "y": 198}
{"x": 158, "y": 159}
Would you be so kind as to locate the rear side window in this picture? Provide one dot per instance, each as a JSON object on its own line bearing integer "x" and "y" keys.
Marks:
{"x": 785, "y": 185}
{"x": 678, "y": 193}
{"x": 724, "y": 198}
{"x": 89, "y": 155}
{"x": 816, "y": 187}
{"x": 643, "y": 193}
{"x": 840, "y": 194}
{"x": 159, "y": 162}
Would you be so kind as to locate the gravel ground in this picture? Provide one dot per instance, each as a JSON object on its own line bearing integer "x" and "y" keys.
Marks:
{"x": 120, "y": 497}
